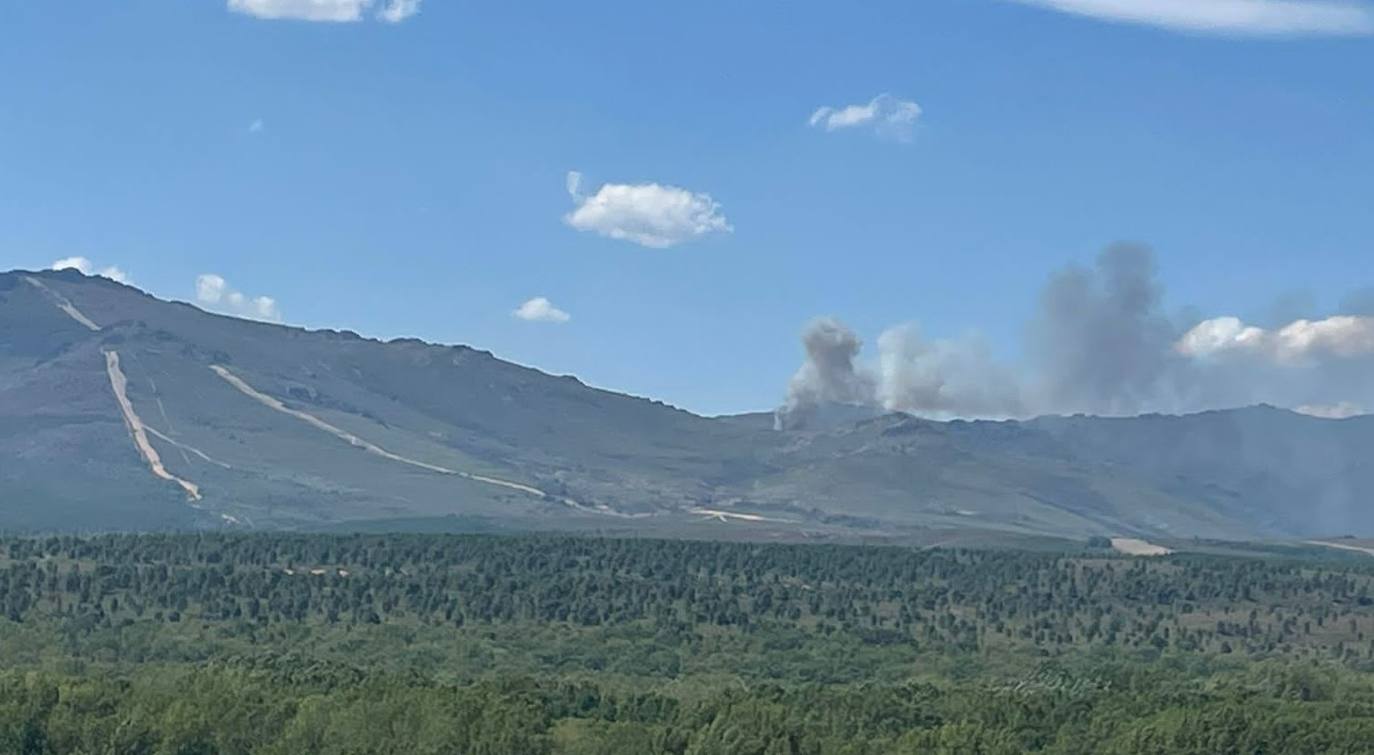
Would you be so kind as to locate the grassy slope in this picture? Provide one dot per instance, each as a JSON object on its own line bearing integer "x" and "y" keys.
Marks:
{"x": 464, "y": 409}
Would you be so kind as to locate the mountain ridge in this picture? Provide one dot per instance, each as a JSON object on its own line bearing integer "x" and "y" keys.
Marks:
{"x": 284, "y": 427}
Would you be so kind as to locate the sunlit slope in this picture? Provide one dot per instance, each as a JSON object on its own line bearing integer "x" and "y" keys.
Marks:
{"x": 360, "y": 428}
{"x": 65, "y": 454}
{"x": 259, "y": 425}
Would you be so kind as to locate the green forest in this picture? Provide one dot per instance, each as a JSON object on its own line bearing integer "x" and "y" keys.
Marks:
{"x": 290, "y": 644}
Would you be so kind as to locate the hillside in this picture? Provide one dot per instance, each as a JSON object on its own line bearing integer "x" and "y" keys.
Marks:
{"x": 122, "y": 411}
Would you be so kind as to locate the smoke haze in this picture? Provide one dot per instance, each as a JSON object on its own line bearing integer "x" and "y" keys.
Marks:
{"x": 1099, "y": 343}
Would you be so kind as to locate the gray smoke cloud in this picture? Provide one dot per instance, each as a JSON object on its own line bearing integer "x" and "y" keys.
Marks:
{"x": 913, "y": 374}
{"x": 829, "y": 375}
{"x": 944, "y": 378}
{"x": 1100, "y": 343}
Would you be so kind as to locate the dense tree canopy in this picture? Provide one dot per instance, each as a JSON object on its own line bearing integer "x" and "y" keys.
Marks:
{"x": 466, "y": 644}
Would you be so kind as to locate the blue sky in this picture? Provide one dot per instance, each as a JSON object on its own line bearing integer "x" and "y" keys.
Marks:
{"x": 410, "y": 176}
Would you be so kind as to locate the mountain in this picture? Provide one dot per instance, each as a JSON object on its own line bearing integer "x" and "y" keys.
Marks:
{"x": 122, "y": 411}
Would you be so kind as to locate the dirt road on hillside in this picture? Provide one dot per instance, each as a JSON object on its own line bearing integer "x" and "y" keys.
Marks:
{"x": 120, "y": 385}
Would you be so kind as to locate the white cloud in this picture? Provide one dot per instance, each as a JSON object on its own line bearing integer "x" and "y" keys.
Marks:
{"x": 393, "y": 11}
{"x": 302, "y": 10}
{"x": 213, "y": 292}
{"x": 889, "y": 116}
{"x": 86, "y": 267}
{"x": 650, "y": 214}
{"x": 540, "y": 309}
{"x": 1220, "y": 335}
{"x": 1236, "y": 17}
{"x": 1341, "y": 410}
{"x": 1299, "y": 342}
{"x": 397, "y": 11}
{"x": 256, "y": 126}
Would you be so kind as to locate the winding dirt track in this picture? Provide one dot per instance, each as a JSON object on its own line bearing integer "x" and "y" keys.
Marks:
{"x": 184, "y": 447}
{"x": 61, "y": 303}
{"x": 272, "y": 403}
{"x": 139, "y": 432}
{"x": 1343, "y": 546}
{"x": 120, "y": 385}
{"x": 737, "y": 516}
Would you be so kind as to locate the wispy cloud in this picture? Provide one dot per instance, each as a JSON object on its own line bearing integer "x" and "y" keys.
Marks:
{"x": 397, "y": 11}
{"x": 540, "y": 309}
{"x": 888, "y": 116}
{"x": 649, "y": 214}
{"x": 215, "y": 293}
{"x": 256, "y": 126}
{"x": 337, "y": 11}
{"x": 1234, "y": 17}
{"x": 86, "y": 267}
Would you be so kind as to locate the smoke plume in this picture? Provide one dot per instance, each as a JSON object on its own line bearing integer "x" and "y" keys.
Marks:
{"x": 913, "y": 374}
{"x": 943, "y": 378}
{"x": 828, "y": 376}
{"x": 1099, "y": 342}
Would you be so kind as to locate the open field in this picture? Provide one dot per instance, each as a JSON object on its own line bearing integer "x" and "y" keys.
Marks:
{"x": 1135, "y": 547}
